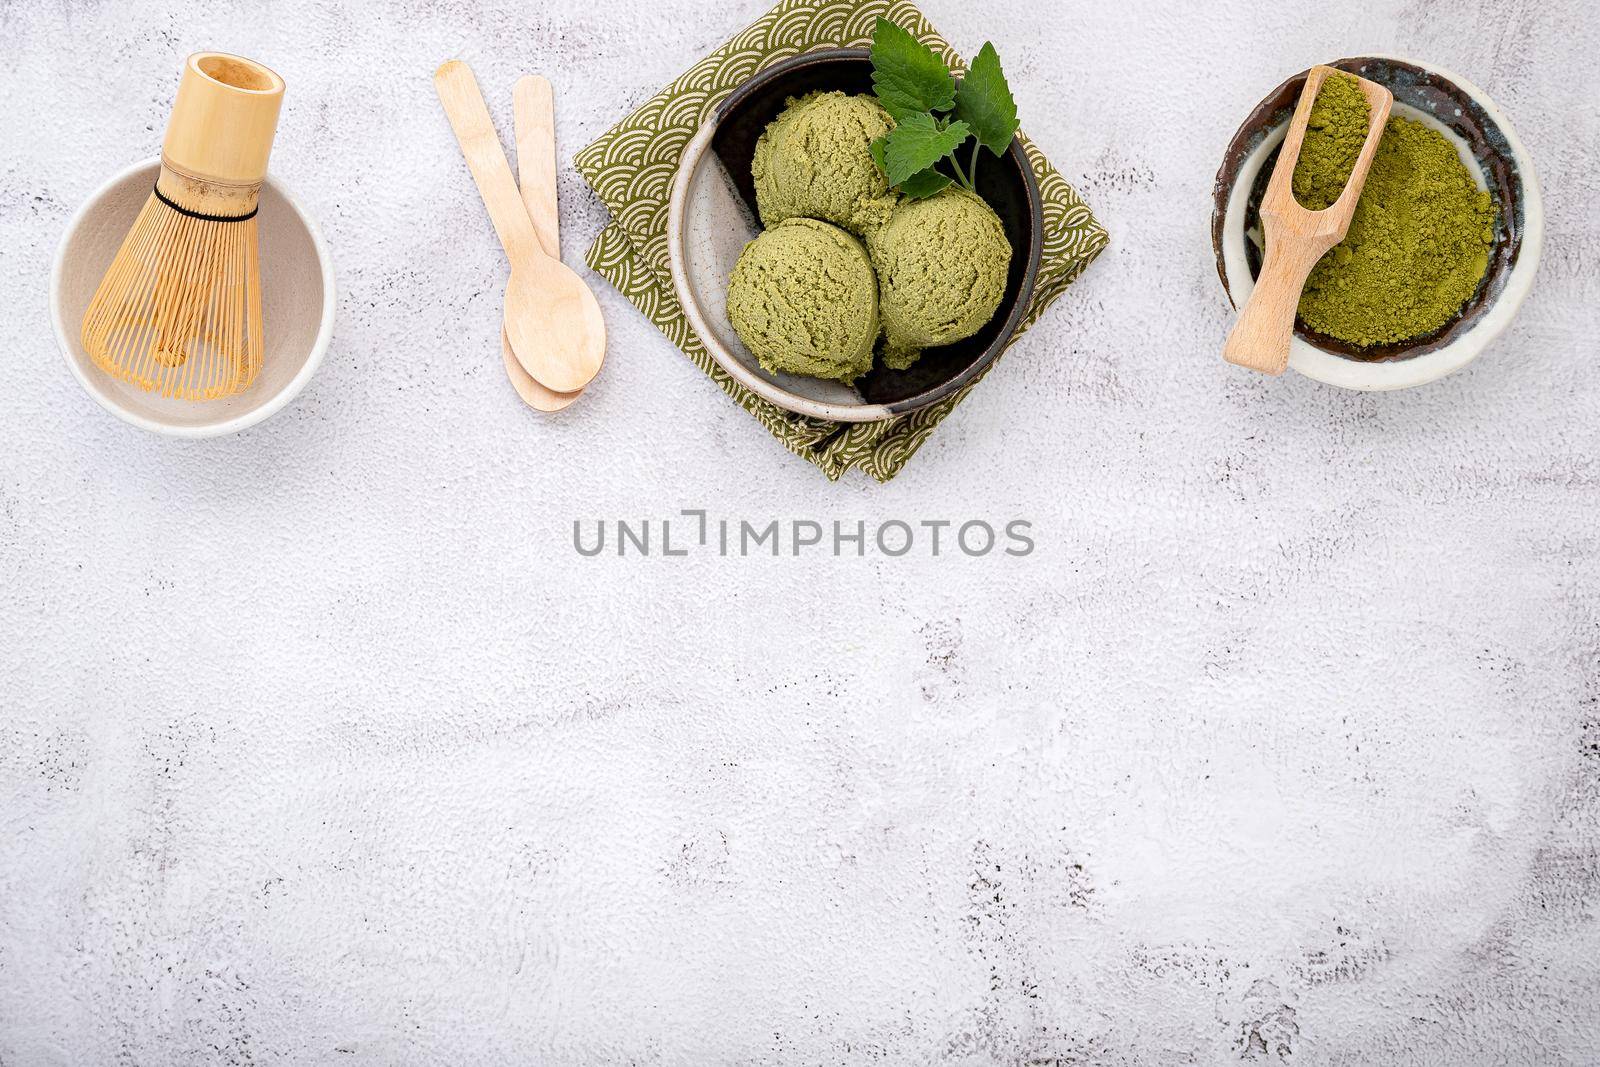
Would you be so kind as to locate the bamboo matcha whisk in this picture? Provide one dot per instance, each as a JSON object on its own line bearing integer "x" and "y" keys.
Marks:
{"x": 179, "y": 311}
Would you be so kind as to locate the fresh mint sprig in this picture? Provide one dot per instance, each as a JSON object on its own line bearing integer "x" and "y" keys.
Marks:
{"x": 917, "y": 142}
{"x": 906, "y": 74}
{"x": 934, "y": 117}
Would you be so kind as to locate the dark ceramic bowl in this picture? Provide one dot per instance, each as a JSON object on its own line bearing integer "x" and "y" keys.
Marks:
{"x": 1491, "y": 150}
{"x": 713, "y": 217}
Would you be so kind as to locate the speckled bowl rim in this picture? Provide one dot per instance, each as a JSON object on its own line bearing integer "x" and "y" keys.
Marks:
{"x": 765, "y": 387}
{"x": 96, "y": 385}
{"x": 1228, "y": 239}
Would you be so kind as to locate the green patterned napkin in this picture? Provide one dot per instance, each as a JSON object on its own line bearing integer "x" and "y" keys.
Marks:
{"x": 632, "y": 166}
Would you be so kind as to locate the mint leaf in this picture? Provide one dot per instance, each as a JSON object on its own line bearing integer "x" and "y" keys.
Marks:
{"x": 984, "y": 102}
{"x": 907, "y": 76}
{"x": 920, "y": 185}
{"x": 919, "y": 142}
{"x": 924, "y": 184}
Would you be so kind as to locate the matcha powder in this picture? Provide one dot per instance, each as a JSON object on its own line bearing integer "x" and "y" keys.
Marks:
{"x": 1334, "y": 138}
{"x": 1420, "y": 242}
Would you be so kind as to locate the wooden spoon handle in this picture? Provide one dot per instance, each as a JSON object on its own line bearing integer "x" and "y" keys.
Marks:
{"x": 534, "y": 106}
{"x": 1265, "y": 330}
{"x": 469, "y": 117}
{"x": 534, "y": 112}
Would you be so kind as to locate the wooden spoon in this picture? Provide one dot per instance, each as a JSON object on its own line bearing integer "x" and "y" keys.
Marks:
{"x": 534, "y": 107}
{"x": 1298, "y": 237}
{"x": 551, "y": 316}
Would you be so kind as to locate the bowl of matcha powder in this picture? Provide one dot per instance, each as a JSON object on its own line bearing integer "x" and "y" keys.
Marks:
{"x": 1446, "y": 237}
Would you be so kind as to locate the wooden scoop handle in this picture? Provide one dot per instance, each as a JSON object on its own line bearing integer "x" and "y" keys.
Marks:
{"x": 1262, "y": 337}
{"x": 469, "y": 117}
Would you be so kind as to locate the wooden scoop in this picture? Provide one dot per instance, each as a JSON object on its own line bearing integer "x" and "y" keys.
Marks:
{"x": 534, "y": 107}
{"x": 551, "y": 317}
{"x": 1298, "y": 237}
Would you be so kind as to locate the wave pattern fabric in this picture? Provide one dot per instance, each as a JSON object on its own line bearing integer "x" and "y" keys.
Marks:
{"x": 631, "y": 168}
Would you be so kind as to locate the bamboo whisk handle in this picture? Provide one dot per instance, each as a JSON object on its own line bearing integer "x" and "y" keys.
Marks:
{"x": 219, "y": 137}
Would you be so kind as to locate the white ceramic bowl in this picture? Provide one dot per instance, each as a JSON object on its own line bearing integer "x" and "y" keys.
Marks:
{"x": 297, "y": 297}
{"x": 1493, "y": 153}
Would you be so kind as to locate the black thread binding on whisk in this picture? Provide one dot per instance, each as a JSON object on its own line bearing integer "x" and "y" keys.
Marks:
{"x": 180, "y": 209}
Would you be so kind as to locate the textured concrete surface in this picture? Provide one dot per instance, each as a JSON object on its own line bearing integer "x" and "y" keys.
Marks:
{"x": 322, "y": 745}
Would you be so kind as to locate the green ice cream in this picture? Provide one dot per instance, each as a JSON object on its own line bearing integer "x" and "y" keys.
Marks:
{"x": 942, "y": 268}
{"x": 804, "y": 300}
{"x": 815, "y": 161}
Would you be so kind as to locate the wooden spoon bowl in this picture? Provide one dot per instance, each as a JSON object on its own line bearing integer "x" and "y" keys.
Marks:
{"x": 554, "y": 324}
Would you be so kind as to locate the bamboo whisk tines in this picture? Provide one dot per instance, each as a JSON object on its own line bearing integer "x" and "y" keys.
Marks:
{"x": 187, "y": 324}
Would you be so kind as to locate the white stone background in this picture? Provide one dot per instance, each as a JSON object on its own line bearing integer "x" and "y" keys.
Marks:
{"x": 321, "y": 745}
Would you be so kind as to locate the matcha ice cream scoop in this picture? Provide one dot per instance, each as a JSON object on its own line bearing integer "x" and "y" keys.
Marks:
{"x": 815, "y": 161}
{"x": 942, "y": 268}
{"x": 804, "y": 300}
